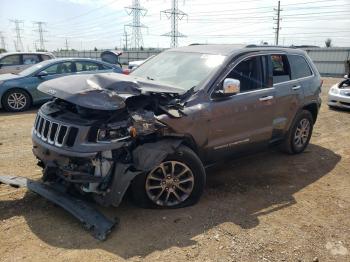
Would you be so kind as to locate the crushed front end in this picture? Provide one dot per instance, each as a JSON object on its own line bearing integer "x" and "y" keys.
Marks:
{"x": 89, "y": 148}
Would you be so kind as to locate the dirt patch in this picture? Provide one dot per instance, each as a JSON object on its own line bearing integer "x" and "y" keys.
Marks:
{"x": 266, "y": 207}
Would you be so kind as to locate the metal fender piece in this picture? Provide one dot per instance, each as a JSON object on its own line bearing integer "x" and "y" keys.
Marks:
{"x": 93, "y": 220}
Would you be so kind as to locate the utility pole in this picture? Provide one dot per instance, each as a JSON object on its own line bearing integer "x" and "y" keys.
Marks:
{"x": 2, "y": 39}
{"x": 18, "y": 42}
{"x": 174, "y": 14}
{"x": 67, "y": 44}
{"x": 136, "y": 10}
{"x": 41, "y": 31}
{"x": 278, "y": 20}
{"x": 126, "y": 35}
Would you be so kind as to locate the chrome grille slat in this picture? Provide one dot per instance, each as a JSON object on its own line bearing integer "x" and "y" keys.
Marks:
{"x": 59, "y": 132}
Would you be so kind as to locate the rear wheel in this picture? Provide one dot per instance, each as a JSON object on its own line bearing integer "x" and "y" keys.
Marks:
{"x": 299, "y": 134}
{"x": 176, "y": 182}
{"x": 16, "y": 100}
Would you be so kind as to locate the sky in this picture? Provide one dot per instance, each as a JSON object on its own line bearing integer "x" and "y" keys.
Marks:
{"x": 87, "y": 24}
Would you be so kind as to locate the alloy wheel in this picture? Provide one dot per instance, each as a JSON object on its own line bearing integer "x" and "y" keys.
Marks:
{"x": 170, "y": 183}
{"x": 17, "y": 101}
{"x": 302, "y": 133}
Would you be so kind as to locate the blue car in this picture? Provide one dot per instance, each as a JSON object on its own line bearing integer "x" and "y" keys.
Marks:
{"x": 19, "y": 91}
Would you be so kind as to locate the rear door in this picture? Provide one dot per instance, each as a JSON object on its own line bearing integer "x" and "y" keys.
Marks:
{"x": 29, "y": 59}
{"x": 244, "y": 120}
{"x": 289, "y": 92}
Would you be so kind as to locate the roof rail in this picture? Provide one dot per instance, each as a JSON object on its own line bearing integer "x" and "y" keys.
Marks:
{"x": 279, "y": 46}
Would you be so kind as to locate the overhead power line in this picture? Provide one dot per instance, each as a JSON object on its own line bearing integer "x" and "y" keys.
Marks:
{"x": 174, "y": 14}
{"x": 136, "y": 11}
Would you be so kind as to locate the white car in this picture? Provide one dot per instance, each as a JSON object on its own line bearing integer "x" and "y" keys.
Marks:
{"x": 339, "y": 94}
{"x": 17, "y": 62}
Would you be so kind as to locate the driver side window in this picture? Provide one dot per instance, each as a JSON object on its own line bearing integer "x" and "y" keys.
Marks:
{"x": 60, "y": 68}
{"x": 250, "y": 74}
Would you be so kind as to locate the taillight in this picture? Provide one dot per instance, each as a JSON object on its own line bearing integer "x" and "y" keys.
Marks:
{"x": 126, "y": 71}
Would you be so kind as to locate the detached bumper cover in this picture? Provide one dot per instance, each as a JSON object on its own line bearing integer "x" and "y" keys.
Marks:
{"x": 93, "y": 220}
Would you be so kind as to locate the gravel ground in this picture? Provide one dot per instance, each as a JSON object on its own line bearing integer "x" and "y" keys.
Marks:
{"x": 265, "y": 207}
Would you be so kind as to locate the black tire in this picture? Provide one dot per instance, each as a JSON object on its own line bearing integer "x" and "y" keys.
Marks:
{"x": 24, "y": 104}
{"x": 183, "y": 155}
{"x": 289, "y": 145}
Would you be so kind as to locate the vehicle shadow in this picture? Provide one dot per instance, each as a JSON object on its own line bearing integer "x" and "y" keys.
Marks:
{"x": 239, "y": 192}
{"x": 33, "y": 109}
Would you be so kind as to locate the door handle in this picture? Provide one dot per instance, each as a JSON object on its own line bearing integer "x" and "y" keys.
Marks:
{"x": 265, "y": 98}
{"x": 296, "y": 87}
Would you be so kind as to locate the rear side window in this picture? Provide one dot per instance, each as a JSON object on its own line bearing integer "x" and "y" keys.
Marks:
{"x": 30, "y": 59}
{"x": 11, "y": 60}
{"x": 45, "y": 57}
{"x": 86, "y": 66}
{"x": 299, "y": 67}
{"x": 280, "y": 69}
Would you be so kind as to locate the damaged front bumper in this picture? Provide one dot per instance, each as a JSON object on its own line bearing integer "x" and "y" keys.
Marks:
{"x": 92, "y": 219}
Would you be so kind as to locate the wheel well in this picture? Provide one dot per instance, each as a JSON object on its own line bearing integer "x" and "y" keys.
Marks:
{"x": 313, "y": 109}
{"x": 17, "y": 88}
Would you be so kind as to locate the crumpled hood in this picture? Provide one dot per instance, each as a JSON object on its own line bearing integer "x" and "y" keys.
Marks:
{"x": 104, "y": 91}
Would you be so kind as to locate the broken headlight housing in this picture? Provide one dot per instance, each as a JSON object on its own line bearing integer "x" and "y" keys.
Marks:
{"x": 112, "y": 134}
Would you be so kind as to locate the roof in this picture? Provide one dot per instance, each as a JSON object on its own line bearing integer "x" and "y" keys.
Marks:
{"x": 228, "y": 49}
{"x": 19, "y": 53}
{"x": 221, "y": 49}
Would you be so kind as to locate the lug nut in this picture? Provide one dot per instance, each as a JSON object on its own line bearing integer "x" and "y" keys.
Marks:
{"x": 166, "y": 188}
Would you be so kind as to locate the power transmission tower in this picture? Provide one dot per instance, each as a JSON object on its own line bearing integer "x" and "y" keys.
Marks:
{"x": 174, "y": 14}
{"x": 2, "y": 39}
{"x": 18, "y": 42}
{"x": 41, "y": 31}
{"x": 278, "y": 20}
{"x": 136, "y": 10}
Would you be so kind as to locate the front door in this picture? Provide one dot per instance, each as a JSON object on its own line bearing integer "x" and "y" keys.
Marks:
{"x": 245, "y": 119}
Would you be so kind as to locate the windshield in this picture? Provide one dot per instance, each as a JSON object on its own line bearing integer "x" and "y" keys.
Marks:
{"x": 34, "y": 68}
{"x": 181, "y": 69}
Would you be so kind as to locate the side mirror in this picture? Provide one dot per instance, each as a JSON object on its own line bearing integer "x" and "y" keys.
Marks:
{"x": 231, "y": 87}
{"x": 346, "y": 76}
{"x": 42, "y": 74}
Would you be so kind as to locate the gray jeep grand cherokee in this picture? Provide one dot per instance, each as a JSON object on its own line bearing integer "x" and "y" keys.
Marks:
{"x": 152, "y": 132}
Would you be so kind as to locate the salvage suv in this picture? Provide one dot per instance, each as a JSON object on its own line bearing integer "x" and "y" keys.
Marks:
{"x": 153, "y": 131}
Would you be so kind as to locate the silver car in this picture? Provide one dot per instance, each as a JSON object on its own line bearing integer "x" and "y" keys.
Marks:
{"x": 339, "y": 94}
{"x": 17, "y": 62}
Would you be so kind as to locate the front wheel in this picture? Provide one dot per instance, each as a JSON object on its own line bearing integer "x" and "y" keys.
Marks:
{"x": 16, "y": 100}
{"x": 176, "y": 182}
{"x": 300, "y": 132}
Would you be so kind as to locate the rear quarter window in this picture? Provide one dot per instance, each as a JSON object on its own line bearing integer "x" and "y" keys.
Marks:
{"x": 299, "y": 66}
{"x": 45, "y": 57}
